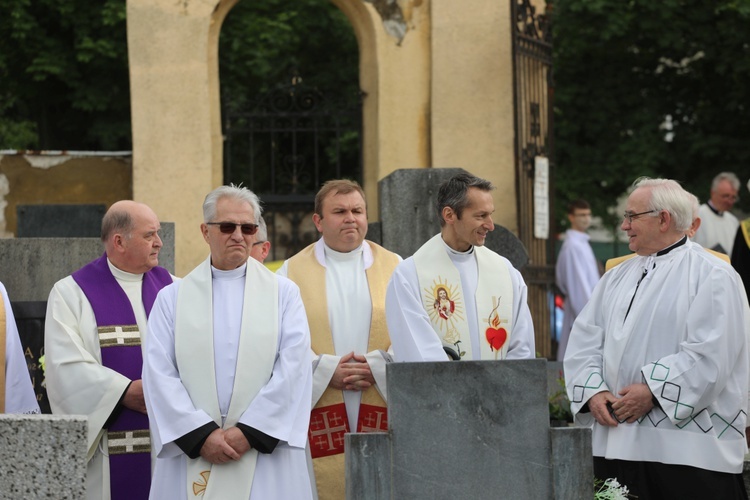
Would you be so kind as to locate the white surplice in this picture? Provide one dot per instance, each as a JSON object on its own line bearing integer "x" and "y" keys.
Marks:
{"x": 686, "y": 337}
{"x": 717, "y": 231}
{"x": 412, "y": 334}
{"x": 576, "y": 274}
{"x": 349, "y": 314}
{"x": 77, "y": 383}
{"x": 19, "y": 393}
{"x": 281, "y": 409}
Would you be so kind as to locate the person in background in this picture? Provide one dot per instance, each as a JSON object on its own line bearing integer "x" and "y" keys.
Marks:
{"x": 576, "y": 271}
{"x": 260, "y": 248}
{"x": 718, "y": 225}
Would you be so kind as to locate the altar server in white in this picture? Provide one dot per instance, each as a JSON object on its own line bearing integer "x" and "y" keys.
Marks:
{"x": 576, "y": 271}
{"x": 456, "y": 296}
{"x": 18, "y": 394}
{"x": 658, "y": 359}
{"x": 227, "y": 374}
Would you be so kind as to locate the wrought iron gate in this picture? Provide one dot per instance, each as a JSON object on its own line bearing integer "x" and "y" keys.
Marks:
{"x": 284, "y": 146}
{"x": 532, "y": 72}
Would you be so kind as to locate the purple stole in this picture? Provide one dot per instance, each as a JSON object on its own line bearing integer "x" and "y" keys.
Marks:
{"x": 129, "y": 444}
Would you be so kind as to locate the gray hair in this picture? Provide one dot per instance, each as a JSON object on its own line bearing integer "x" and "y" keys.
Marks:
{"x": 262, "y": 234}
{"x": 453, "y": 193}
{"x": 667, "y": 194}
{"x": 726, "y": 176}
{"x": 237, "y": 193}
{"x": 116, "y": 221}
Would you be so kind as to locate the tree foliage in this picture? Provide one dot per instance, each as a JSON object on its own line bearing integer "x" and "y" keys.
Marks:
{"x": 64, "y": 75}
{"x": 263, "y": 42}
{"x": 647, "y": 88}
{"x": 64, "y": 80}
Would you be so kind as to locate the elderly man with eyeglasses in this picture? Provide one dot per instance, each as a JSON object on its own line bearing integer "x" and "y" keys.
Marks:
{"x": 657, "y": 361}
{"x": 718, "y": 224}
{"x": 227, "y": 375}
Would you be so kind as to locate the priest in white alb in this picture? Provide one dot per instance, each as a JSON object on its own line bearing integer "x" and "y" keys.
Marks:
{"x": 343, "y": 279}
{"x": 94, "y": 328}
{"x": 657, "y": 361}
{"x": 227, "y": 375}
{"x": 455, "y": 298}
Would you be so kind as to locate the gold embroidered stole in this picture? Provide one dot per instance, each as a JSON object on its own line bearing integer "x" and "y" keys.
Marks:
{"x": 194, "y": 352}
{"x": 328, "y": 420}
{"x": 745, "y": 225}
{"x": 2, "y": 354}
{"x": 443, "y": 294}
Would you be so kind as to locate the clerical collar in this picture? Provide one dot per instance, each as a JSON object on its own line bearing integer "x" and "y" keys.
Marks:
{"x": 456, "y": 252}
{"x": 713, "y": 209}
{"x": 230, "y": 274}
{"x": 343, "y": 256}
{"x": 671, "y": 247}
{"x": 123, "y": 275}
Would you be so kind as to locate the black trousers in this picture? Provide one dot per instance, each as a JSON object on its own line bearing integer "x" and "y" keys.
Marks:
{"x": 657, "y": 481}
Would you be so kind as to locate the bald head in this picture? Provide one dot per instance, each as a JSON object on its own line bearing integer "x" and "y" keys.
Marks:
{"x": 130, "y": 232}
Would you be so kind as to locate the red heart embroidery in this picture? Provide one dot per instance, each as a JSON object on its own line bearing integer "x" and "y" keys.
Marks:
{"x": 496, "y": 337}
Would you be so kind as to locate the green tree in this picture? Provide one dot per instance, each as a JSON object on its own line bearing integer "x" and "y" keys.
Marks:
{"x": 649, "y": 88}
{"x": 64, "y": 75}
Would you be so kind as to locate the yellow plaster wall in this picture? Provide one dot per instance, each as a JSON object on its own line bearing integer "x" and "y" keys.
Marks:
{"x": 59, "y": 179}
{"x": 472, "y": 95}
{"x": 174, "y": 86}
{"x": 395, "y": 76}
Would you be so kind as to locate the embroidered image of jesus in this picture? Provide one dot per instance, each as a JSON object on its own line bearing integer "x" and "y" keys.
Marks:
{"x": 444, "y": 306}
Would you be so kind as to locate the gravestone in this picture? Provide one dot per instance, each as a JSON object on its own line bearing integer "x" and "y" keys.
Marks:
{"x": 471, "y": 429}
{"x": 29, "y": 318}
{"x": 59, "y": 221}
{"x": 43, "y": 456}
{"x": 408, "y": 217}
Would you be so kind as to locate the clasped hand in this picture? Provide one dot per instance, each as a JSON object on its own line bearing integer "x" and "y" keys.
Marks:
{"x": 636, "y": 400}
{"x": 224, "y": 445}
{"x": 352, "y": 374}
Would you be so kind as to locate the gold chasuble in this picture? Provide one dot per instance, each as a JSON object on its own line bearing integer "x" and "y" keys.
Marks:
{"x": 443, "y": 298}
{"x": 328, "y": 420}
{"x": 2, "y": 355}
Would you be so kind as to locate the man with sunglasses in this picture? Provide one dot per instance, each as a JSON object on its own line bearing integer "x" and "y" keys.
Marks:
{"x": 227, "y": 375}
{"x": 343, "y": 278}
{"x": 95, "y": 323}
{"x": 657, "y": 360}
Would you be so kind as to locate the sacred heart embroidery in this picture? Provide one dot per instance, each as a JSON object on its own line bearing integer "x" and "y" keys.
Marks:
{"x": 496, "y": 335}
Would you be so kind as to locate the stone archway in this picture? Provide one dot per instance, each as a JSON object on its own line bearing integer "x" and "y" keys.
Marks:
{"x": 177, "y": 143}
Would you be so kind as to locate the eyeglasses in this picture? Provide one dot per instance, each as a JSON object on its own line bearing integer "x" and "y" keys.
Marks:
{"x": 231, "y": 227}
{"x": 258, "y": 243}
{"x": 630, "y": 216}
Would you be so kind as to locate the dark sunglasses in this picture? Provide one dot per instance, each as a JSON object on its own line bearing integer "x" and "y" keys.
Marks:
{"x": 231, "y": 227}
